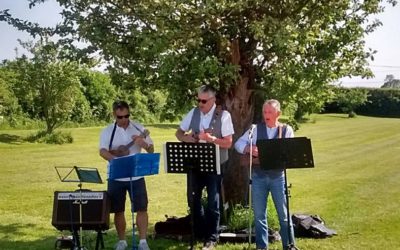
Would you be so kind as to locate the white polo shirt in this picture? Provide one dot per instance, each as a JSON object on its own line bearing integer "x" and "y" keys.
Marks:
{"x": 205, "y": 119}
{"x": 123, "y": 137}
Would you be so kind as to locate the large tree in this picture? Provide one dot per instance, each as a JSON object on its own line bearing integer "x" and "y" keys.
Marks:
{"x": 250, "y": 50}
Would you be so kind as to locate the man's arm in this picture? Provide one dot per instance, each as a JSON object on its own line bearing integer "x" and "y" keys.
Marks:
{"x": 106, "y": 154}
{"x": 242, "y": 145}
{"x": 184, "y": 137}
{"x": 145, "y": 143}
{"x": 224, "y": 142}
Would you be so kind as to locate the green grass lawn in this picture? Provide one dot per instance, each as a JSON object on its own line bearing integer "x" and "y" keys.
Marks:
{"x": 355, "y": 185}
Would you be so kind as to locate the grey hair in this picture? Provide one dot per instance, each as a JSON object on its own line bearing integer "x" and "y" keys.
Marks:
{"x": 207, "y": 89}
{"x": 274, "y": 103}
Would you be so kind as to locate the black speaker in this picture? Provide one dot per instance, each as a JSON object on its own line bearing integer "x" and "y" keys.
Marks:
{"x": 95, "y": 210}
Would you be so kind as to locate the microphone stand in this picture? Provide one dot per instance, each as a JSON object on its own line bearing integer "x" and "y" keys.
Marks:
{"x": 250, "y": 179}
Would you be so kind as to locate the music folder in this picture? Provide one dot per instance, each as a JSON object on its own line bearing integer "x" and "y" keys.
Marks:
{"x": 136, "y": 165}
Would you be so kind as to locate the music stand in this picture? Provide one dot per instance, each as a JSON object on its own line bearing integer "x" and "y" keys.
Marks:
{"x": 181, "y": 157}
{"x": 141, "y": 164}
{"x": 283, "y": 154}
{"x": 80, "y": 175}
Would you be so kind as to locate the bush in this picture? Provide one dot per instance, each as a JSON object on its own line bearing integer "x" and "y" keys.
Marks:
{"x": 382, "y": 102}
{"x": 56, "y": 137}
{"x": 239, "y": 217}
{"x": 20, "y": 121}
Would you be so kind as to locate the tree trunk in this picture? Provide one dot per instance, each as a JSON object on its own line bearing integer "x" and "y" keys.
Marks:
{"x": 239, "y": 102}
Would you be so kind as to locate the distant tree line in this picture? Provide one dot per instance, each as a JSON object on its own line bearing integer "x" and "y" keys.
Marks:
{"x": 46, "y": 88}
{"x": 381, "y": 102}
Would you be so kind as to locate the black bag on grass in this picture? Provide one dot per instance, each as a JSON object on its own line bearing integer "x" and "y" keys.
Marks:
{"x": 310, "y": 226}
{"x": 173, "y": 226}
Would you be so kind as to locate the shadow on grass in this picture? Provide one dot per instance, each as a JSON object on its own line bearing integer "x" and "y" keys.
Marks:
{"x": 14, "y": 236}
{"x": 344, "y": 116}
{"x": 14, "y": 229}
{"x": 14, "y": 233}
{"x": 11, "y": 139}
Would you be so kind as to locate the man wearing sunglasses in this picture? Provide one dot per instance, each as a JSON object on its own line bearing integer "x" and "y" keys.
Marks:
{"x": 207, "y": 123}
{"x": 131, "y": 136}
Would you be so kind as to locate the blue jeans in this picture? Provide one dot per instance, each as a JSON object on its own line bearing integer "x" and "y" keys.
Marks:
{"x": 264, "y": 182}
{"x": 206, "y": 221}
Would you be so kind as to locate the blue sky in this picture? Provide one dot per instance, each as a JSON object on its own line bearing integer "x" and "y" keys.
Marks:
{"x": 386, "y": 39}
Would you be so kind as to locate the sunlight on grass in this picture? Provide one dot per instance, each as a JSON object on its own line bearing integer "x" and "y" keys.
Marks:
{"x": 354, "y": 185}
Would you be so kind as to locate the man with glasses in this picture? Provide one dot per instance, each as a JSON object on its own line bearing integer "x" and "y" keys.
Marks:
{"x": 122, "y": 138}
{"x": 207, "y": 123}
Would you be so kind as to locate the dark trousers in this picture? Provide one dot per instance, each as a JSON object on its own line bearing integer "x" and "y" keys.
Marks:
{"x": 206, "y": 219}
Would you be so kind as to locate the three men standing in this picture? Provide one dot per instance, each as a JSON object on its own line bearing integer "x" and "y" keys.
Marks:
{"x": 205, "y": 123}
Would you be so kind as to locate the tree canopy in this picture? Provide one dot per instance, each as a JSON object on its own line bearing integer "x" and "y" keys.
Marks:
{"x": 286, "y": 49}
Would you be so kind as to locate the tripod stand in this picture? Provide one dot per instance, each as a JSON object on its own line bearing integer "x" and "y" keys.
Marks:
{"x": 285, "y": 154}
{"x": 79, "y": 240}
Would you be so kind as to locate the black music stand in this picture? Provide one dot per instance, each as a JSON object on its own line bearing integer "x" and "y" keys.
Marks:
{"x": 137, "y": 165}
{"x": 187, "y": 158}
{"x": 283, "y": 154}
{"x": 80, "y": 175}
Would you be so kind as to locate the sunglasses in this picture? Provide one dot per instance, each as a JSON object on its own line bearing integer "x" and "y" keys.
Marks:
{"x": 204, "y": 101}
{"x": 123, "y": 116}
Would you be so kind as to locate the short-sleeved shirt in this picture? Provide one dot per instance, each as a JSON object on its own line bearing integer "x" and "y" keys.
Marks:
{"x": 205, "y": 119}
{"x": 244, "y": 140}
{"x": 123, "y": 137}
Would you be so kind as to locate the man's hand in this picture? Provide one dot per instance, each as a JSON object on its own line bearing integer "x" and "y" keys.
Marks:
{"x": 139, "y": 140}
{"x": 254, "y": 150}
{"x": 189, "y": 138}
{"x": 208, "y": 137}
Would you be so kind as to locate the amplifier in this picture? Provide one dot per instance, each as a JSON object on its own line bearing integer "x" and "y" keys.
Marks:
{"x": 95, "y": 210}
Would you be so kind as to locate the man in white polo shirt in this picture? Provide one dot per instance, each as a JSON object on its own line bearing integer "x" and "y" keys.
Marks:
{"x": 207, "y": 123}
{"x": 122, "y": 138}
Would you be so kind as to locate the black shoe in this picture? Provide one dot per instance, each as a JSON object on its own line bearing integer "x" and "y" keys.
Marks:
{"x": 209, "y": 245}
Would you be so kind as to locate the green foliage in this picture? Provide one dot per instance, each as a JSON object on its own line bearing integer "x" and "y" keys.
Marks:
{"x": 21, "y": 122}
{"x": 56, "y": 137}
{"x": 239, "y": 218}
{"x": 381, "y": 102}
{"x": 147, "y": 106}
{"x": 81, "y": 111}
{"x": 98, "y": 91}
{"x": 350, "y": 99}
{"x": 289, "y": 50}
{"x": 47, "y": 88}
{"x": 9, "y": 107}
{"x": 91, "y": 96}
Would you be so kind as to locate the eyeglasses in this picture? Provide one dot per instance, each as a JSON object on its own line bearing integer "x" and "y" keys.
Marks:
{"x": 123, "y": 116}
